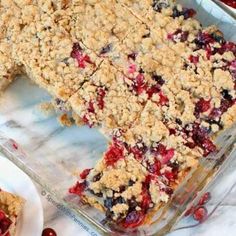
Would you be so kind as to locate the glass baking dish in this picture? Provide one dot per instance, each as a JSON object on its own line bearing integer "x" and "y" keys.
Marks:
{"x": 51, "y": 154}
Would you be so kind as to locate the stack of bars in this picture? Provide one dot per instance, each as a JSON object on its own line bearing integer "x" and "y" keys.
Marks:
{"x": 144, "y": 71}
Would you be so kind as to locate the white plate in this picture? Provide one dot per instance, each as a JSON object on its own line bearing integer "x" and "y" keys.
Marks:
{"x": 14, "y": 180}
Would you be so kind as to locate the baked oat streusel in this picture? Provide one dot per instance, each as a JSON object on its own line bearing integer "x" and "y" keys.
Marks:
{"x": 10, "y": 208}
{"x": 146, "y": 72}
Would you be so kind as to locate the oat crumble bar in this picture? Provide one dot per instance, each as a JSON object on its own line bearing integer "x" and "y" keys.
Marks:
{"x": 145, "y": 72}
{"x": 10, "y": 209}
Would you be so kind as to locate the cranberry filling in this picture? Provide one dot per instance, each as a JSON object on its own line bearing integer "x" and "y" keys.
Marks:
{"x": 225, "y": 105}
{"x": 79, "y": 188}
{"x": 138, "y": 151}
{"x": 134, "y": 219}
{"x": 91, "y": 107}
{"x": 146, "y": 199}
{"x": 202, "y": 139}
{"x": 139, "y": 85}
{"x": 178, "y": 35}
{"x": 155, "y": 167}
{"x": 163, "y": 99}
{"x": 84, "y": 173}
{"x": 202, "y": 106}
{"x": 153, "y": 90}
{"x": 100, "y": 98}
{"x": 166, "y": 154}
{"x": 194, "y": 59}
{"x": 114, "y": 154}
{"x": 5, "y": 223}
{"x": 82, "y": 59}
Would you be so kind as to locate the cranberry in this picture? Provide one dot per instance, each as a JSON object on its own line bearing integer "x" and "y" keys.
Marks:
{"x": 204, "y": 39}
{"x": 138, "y": 152}
{"x": 134, "y": 219}
{"x": 204, "y": 199}
{"x": 132, "y": 68}
{"x": 194, "y": 59}
{"x": 167, "y": 156}
{"x": 225, "y": 105}
{"x": 201, "y": 138}
{"x": 100, "y": 98}
{"x": 84, "y": 173}
{"x": 227, "y": 47}
{"x": 5, "y": 225}
{"x": 231, "y": 3}
{"x": 179, "y": 34}
{"x": 153, "y": 90}
{"x": 49, "y": 232}
{"x": 171, "y": 176}
{"x": 202, "y": 106}
{"x": 91, "y": 107}
{"x": 146, "y": 199}
{"x": 172, "y": 131}
{"x": 155, "y": 167}
{"x": 163, "y": 99}
{"x": 79, "y": 188}
{"x": 139, "y": 85}
{"x": 2, "y": 215}
{"x": 200, "y": 214}
{"x": 82, "y": 59}
{"x": 114, "y": 154}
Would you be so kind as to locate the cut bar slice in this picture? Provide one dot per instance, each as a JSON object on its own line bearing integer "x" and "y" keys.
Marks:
{"x": 105, "y": 100}
{"x": 10, "y": 28}
{"x": 10, "y": 209}
{"x": 122, "y": 187}
{"x": 56, "y": 62}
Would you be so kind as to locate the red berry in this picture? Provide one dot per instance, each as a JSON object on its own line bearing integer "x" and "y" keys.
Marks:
{"x": 2, "y": 215}
{"x": 163, "y": 99}
{"x": 194, "y": 59}
{"x": 202, "y": 106}
{"x": 139, "y": 84}
{"x": 231, "y": 3}
{"x": 114, "y": 154}
{"x": 138, "y": 152}
{"x": 200, "y": 214}
{"x": 167, "y": 156}
{"x": 49, "y": 232}
{"x": 153, "y": 90}
{"x": 155, "y": 167}
{"x": 84, "y": 173}
{"x": 134, "y": 219}
{"x": 78, "y": 189}
{"x": 204, "y": 199}
{"x": 146, "y": 199}
{"x": 77, "y": 53}
{"x": 100, "y": 98}
{"x": 91, "y": 107}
